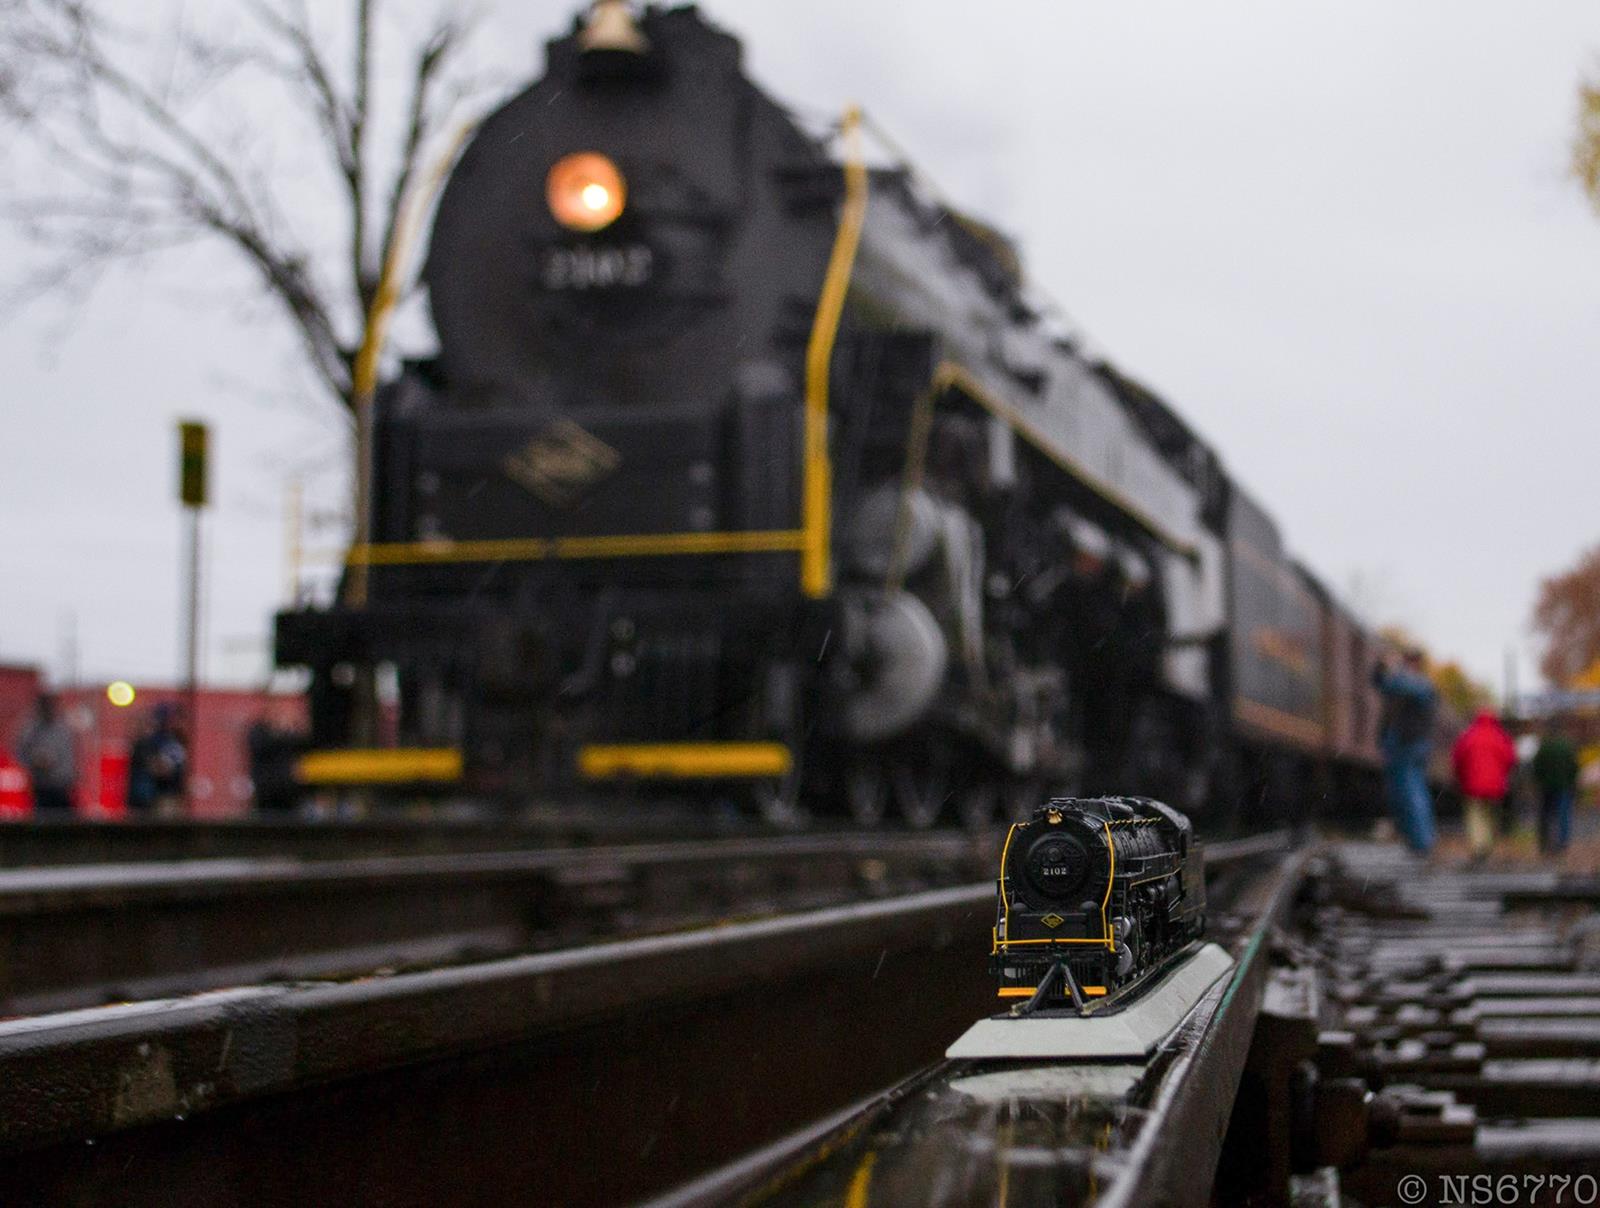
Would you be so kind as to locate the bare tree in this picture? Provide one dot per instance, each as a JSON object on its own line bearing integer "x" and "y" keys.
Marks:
{"x": 147, "y": 136}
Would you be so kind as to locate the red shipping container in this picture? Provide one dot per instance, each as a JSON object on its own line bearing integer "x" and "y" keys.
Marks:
{"x": 16, "y": 798}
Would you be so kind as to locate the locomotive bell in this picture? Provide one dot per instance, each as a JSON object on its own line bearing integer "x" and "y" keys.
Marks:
{"x": 611, "y": 27}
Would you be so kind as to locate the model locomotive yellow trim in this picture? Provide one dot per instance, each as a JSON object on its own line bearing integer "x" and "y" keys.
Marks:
{"x": 397, "y": 765}
{"x": 536, "y": 549}
{"x": 1050, "y": 867}
{"x": 685, "y": 760}
{"x": 1005, "y": 898}
{"x": 1105, "y": 937}
{"x": 817, "y": 488}
{"x": 1111, "y": 879}
{"x": 1030, "y": 991}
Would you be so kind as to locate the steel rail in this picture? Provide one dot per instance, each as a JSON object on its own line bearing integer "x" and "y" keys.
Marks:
{"x": 54, "y": 842}
{"x": 44, "y": 842}
{"x": 72, "y": 937}
{"x": 284, "y": 1088}
{"x": 604, "y": 1073}
{"x": 78, "y": 937}
{"x": 1194, "y": 1098}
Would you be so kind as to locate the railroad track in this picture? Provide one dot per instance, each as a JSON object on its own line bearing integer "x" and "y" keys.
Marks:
{"x": 596, "y": 1074}
{"x": 1470, "y": 1001}
{"x": 1043, "y": 1133}
{"x": 77, "y": 937}
{"x": 41, "y": 842}
{"x": 1391, "y": 1033}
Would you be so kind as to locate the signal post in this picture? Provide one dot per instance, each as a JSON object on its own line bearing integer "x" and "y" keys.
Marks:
{"x": 193, "y": 483}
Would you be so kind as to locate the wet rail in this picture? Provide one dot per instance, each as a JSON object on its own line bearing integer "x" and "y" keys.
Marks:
{"x": 72, "y": 937}
{"x": 1045, "y": 1133}
{"x": 597, "y": 1074}
{"x": 40, "y": 842}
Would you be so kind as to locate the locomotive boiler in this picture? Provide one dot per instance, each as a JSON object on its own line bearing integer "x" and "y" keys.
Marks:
{"x": 746, "y": 464}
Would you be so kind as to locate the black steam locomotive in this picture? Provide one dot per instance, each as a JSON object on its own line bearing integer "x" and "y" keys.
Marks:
{"x": 1094, "y": 895}
{"x": 742, "y": 465}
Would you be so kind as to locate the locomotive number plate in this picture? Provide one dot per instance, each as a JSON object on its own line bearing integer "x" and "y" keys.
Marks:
{"x": 621, "y": 266}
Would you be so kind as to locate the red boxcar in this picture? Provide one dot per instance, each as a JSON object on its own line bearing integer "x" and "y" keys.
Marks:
{"x": 219, "y": 761}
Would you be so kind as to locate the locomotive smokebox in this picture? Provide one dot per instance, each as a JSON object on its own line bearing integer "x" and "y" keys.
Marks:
{"x": 1095, "y": 896}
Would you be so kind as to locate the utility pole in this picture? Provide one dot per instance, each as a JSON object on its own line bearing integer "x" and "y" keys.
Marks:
{"x": 1511, "y": 680}
{"x": 69, "y": 649}
{"x": 294, "y": 537}
{"x": 193, "y": 442}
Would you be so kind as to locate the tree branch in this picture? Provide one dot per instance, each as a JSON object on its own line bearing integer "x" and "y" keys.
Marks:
{"x": 132, "y": 162}
{"x": 364, "y": 271}
{"x": 421, "y": 118}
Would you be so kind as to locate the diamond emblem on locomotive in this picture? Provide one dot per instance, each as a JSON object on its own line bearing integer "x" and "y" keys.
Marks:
{"x": 561, "y": 464}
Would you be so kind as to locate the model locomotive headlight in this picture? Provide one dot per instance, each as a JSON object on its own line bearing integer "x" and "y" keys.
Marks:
{"x": 585, "y": 191}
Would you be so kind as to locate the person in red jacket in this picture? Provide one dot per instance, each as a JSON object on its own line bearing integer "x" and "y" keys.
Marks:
{"x": 1483, "y": 758}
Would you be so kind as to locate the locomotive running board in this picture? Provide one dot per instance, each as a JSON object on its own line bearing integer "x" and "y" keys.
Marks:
{"x": 1131, "y": 1033}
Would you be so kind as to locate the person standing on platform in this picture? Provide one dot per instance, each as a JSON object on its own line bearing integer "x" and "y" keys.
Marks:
{"x": 1555, "y": 771}
{"x": 46, "y": 749}
{"x": 1483, "y": 758}
{"x": 1405, "y": 734}
{"x": 158, "y": 766}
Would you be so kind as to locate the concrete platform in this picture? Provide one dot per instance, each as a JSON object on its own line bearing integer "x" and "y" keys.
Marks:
{"x": 1130, "y": 1033}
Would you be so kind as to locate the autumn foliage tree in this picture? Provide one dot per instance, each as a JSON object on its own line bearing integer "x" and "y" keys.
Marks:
{"x": 1463, "y": 694}
{"x": 1567, "y": 614}
{"x": 1586, "y": 143}
{"x": 1567, "y": 617}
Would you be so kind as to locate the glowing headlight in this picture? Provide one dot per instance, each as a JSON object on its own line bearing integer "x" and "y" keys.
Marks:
{"x": 585, "y": 191}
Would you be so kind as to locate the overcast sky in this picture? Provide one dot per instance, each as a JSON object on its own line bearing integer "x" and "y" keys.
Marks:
{"x": 1339, "y": 237}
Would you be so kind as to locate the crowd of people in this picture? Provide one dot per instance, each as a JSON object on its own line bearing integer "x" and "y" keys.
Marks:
{"x": 1484, "y": 760}
{"x": 158, "y": 761}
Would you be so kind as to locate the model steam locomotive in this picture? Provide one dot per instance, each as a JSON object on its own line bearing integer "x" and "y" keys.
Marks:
{"x": 741, "y": 465}
{"x": 1094, "y": 895}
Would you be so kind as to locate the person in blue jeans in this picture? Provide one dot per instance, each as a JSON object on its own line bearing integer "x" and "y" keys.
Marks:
{"x": 1405, "y": 734}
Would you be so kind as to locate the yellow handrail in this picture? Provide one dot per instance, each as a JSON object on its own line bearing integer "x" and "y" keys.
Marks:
{"x": 816, "y": 502}
{"x": 413, "y": 208}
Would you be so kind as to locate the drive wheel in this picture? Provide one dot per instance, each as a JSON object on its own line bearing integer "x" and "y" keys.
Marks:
{"x": 921, "y": 789}
{"x": 1023, "y": 795}
{"x": 866, "y": 792}
{"x": 777, "y": 801}
{"x": 978, "y": 802}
